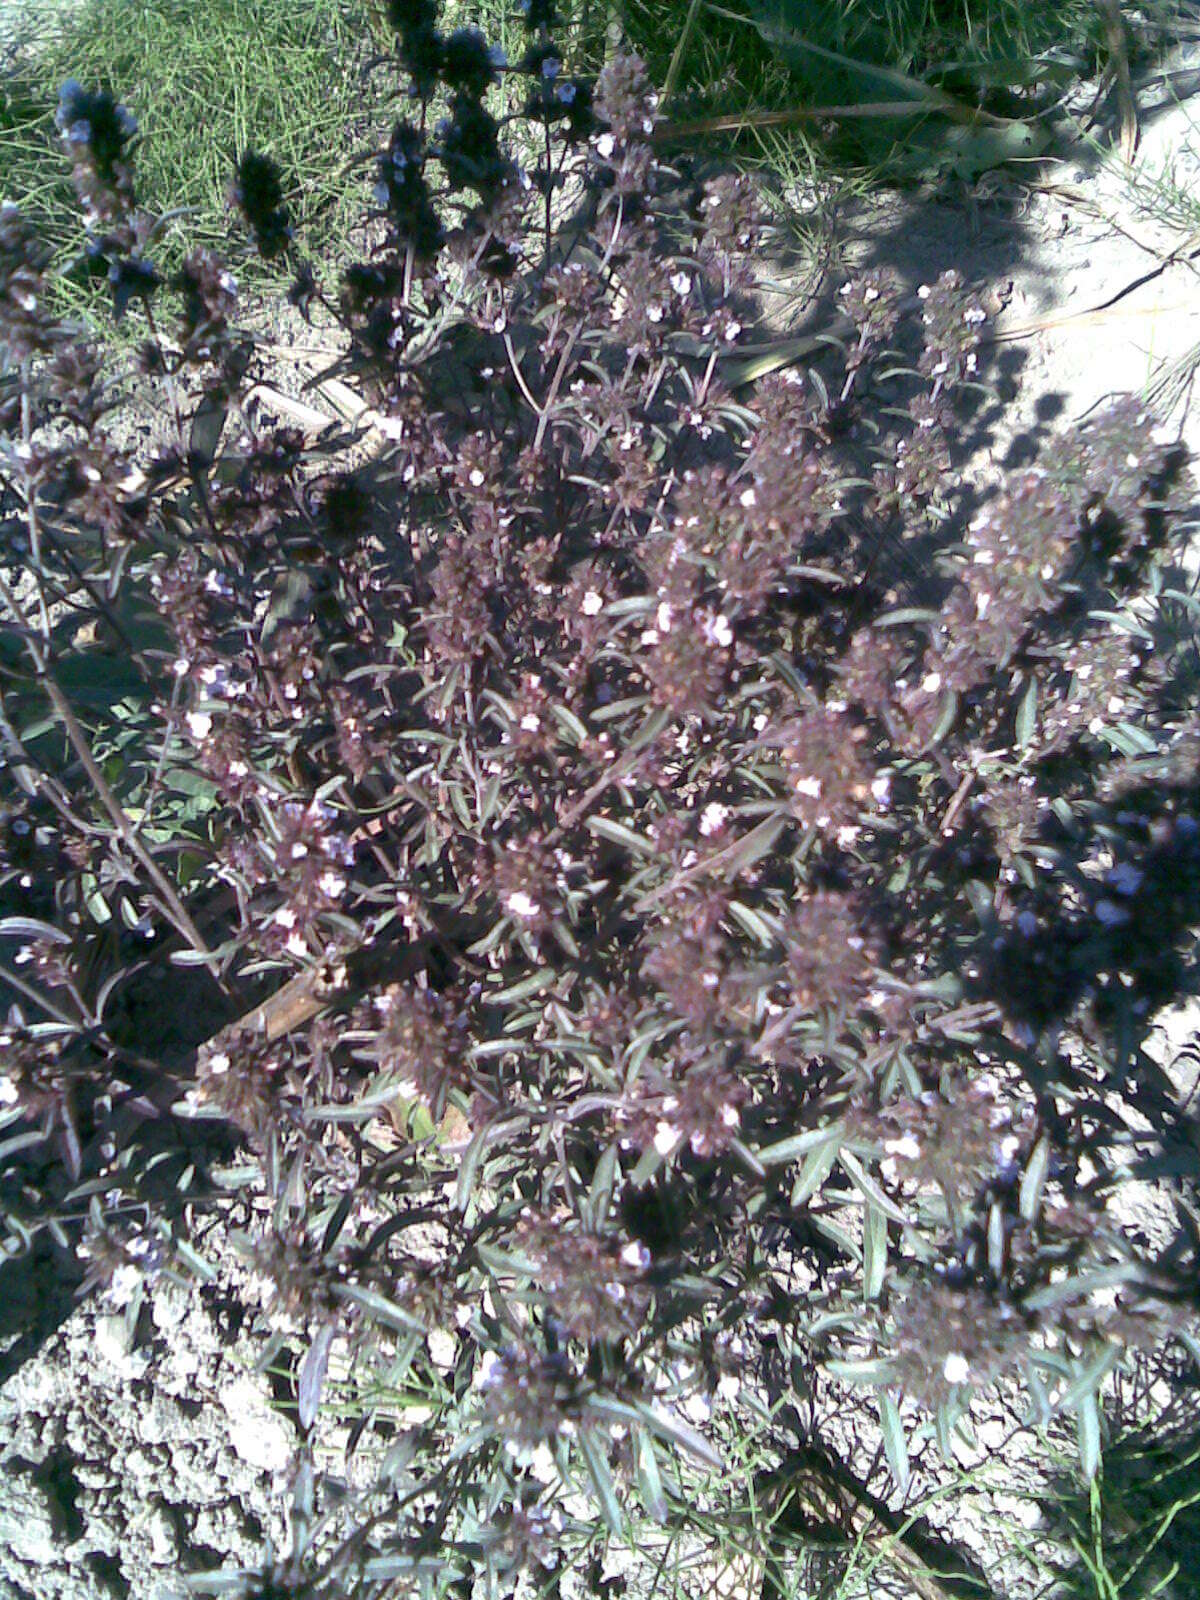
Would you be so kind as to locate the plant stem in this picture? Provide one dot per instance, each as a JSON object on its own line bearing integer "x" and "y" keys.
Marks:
{"x": 79, "y": 743}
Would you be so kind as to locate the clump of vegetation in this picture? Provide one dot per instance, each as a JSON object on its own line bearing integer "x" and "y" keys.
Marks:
{"x": 907, "y": 90}
{"x": 657, "y": 895}
{"x": 202, "y": 81}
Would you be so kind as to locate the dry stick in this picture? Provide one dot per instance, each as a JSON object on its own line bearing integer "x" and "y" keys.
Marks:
{"x": 35, "y": 535}
{"x": 794, "y": 116}
{"x": 1117, "y": 40}
{"x": 78, "y": 740}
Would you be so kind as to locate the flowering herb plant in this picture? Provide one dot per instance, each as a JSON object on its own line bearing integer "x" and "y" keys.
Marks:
{"x": 669, "y": 881}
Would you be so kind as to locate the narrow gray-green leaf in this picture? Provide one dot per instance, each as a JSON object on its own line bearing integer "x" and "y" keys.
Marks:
{"x": 311, "y": 1380}
{"x": 895, "y": 1445}
{"x": 1087, "y": 1418}
{"x": 597, "y": 1467}
{"x": 1033, "y": 1179}
{"x": 817, "y": 1167}
{"x": 874, "y": 1251}
{"x": 866, "y": 1185}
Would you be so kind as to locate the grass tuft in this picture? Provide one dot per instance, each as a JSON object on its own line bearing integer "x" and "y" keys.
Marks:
{"x": 204, "y": 81}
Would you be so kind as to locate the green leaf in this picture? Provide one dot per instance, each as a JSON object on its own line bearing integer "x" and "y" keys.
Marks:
{"x": 534, "y": 984}
{"x": 947, "y": 717}
{"x": 1027, "y": 715}
{"x": 648, "y": 1164}
{"x": 735, "y": 859}
{"x": 208, "y": 424}
{"x": 469, "y": 1165}
{"x": 679, "y": 1433}
{"x": 648, "y": 1476}
{"x": 875, "y": 1244}
{"x": 1033, "y": 1179}
{"x": 511, "y": 1262}
{"x": 874, "y": 1370}
{"x": 753, "y": 923}
{"x": 1077, "y": 1288}
{"x": 1087, "y": 1419}
{"x": 778, "y": 1155}
{"x": 816, "y": 1168}
{"x": 867, "y": 1186}
{"x": 1092, "y": 1375}
{"x": 313, "y": 1369}
{"x": 618, "y": 833}
{"x": 379, "y": 1307}
{"x": 895, "y": 1445}
{"x": 601, "y": 1192}
{"x": 597, "y": 1467}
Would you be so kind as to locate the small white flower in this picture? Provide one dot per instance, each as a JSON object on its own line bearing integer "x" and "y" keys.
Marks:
{"x": 748, "y": 498}
{"x": 722, "y": 633}
{"x": 593, "y": 603}
{"x": 531, "y": 722}
{"x": 931, "y": 682}
{"x": 485, "y": 1372}
{"x": 681, "y": 283}
{"x": 666, "y": 1136}
{"x": 331, "y": 883}
{"x": 199, "y": 725}
{"x": 636, "y": 1255}
{"x": 956, "y": 1369}
{"x": 923, "y": 291}
{"x": 663, "y": 617}
{"x": 1008, "y": 1148}
{"x": 476, "y": 478}
{"x": 182, "y": 667}
{"x": 285, "y": 917}
{"x": 218, "y": 1063}
{"x": 881, "y": 789}
{"x": 906, "y": 1146}
{"x": 730, "y": 1116}
{"x": 605, "y": 145}
{"x": 8, "y": 1092}
{"x": 732, "y": 331}
{"x": 810, "y": 787}
{"x": 713, "y": 818}
{"x": 521, "y": 904}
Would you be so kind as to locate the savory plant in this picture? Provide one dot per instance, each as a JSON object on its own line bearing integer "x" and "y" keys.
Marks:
{"x": 668, "y": 879}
